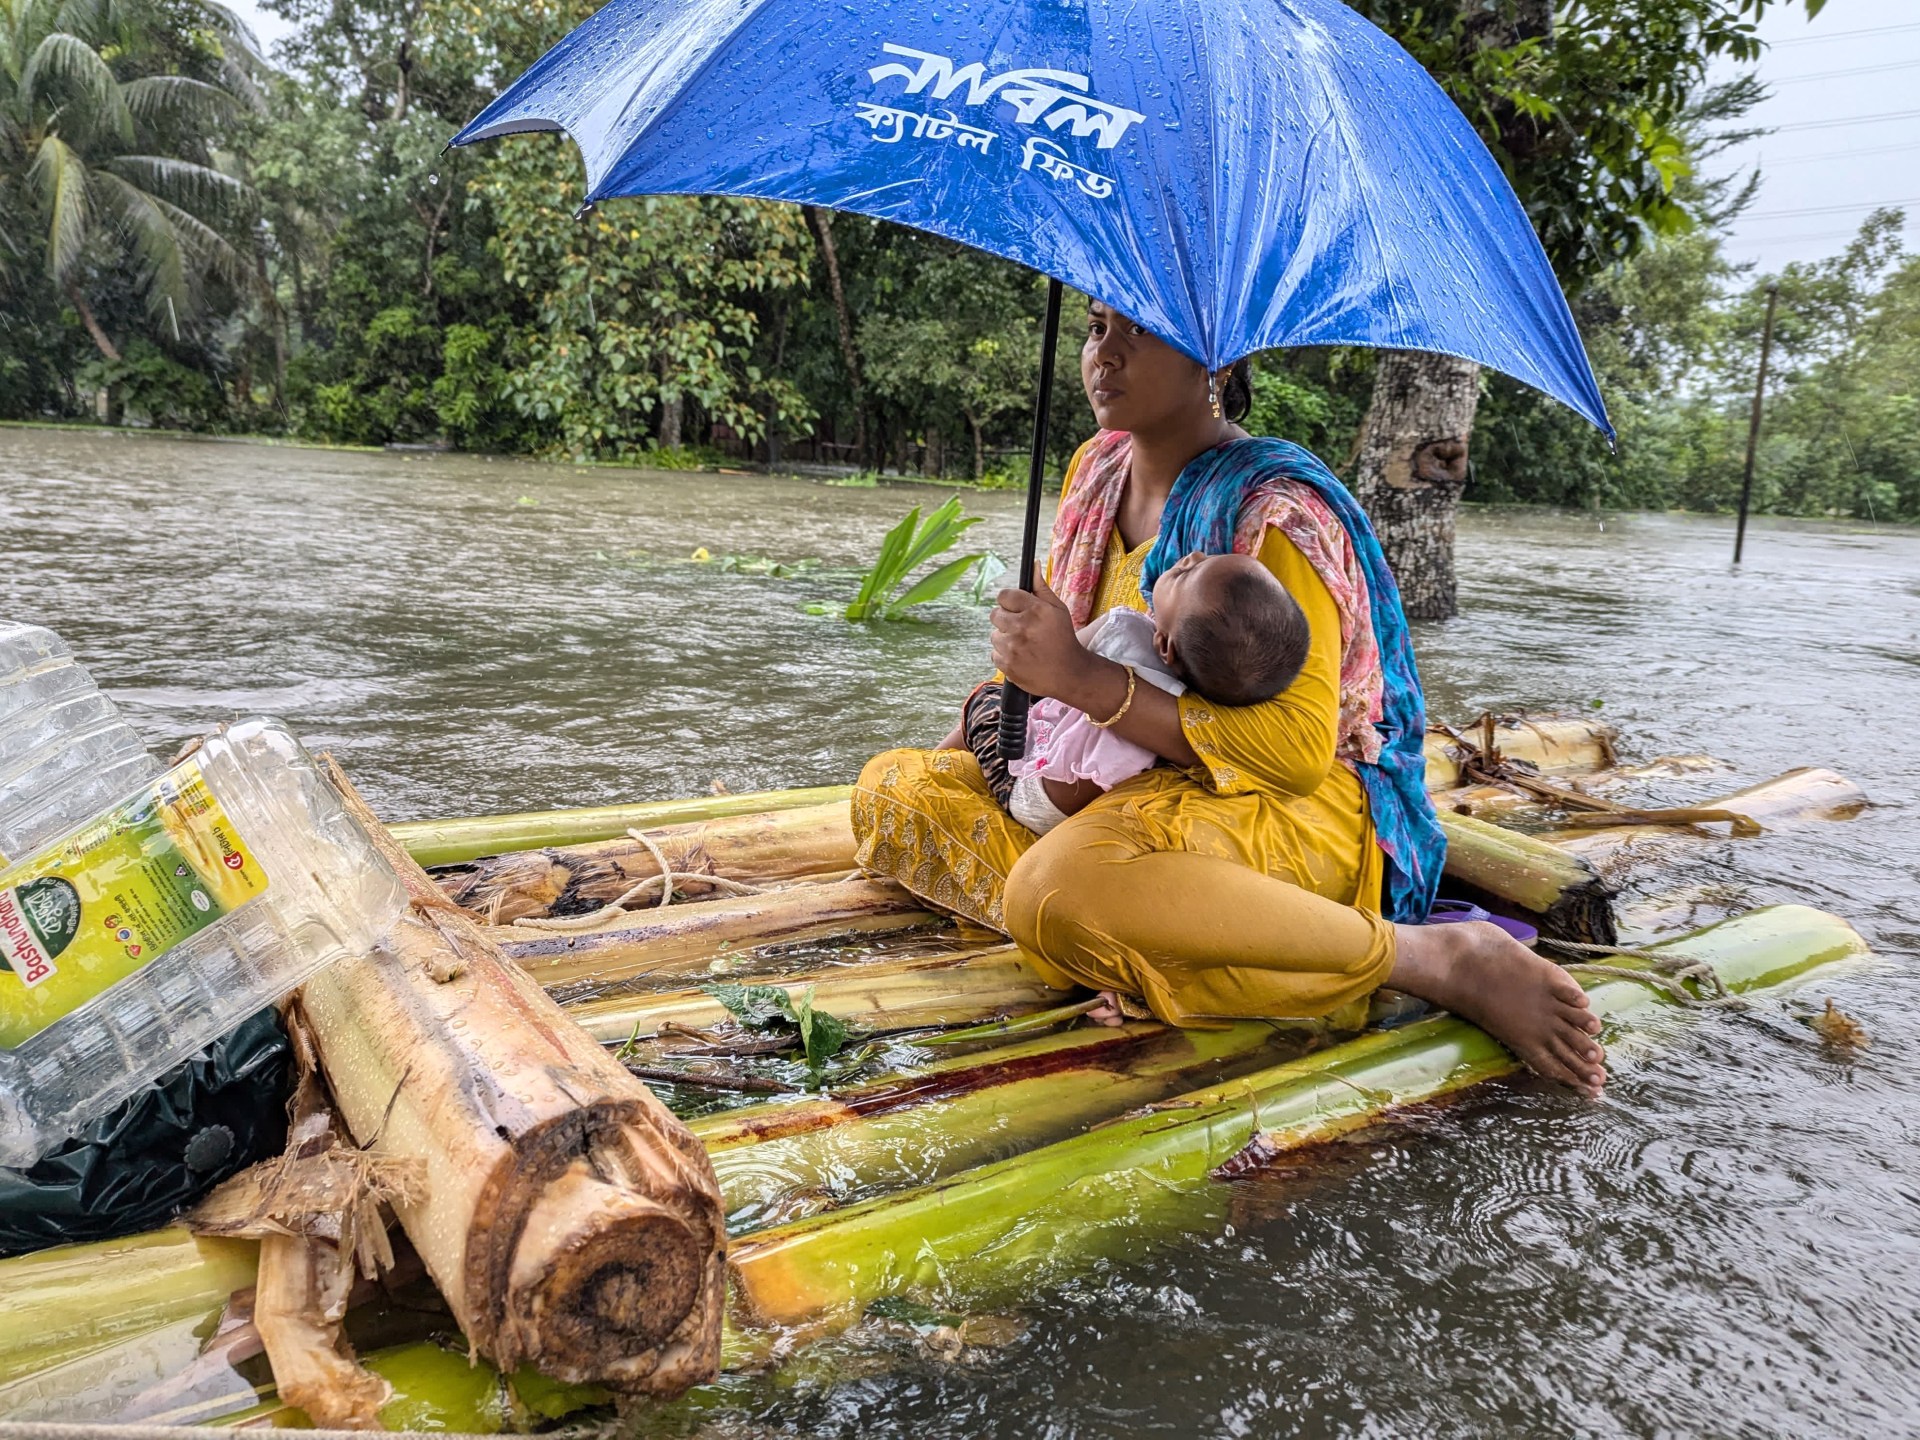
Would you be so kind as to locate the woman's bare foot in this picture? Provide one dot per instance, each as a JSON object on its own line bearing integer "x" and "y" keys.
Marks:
{"x": 1524, "y": 1001}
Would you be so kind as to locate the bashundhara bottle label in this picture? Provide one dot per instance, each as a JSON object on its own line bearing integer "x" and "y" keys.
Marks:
{"x": 115, "y": 895}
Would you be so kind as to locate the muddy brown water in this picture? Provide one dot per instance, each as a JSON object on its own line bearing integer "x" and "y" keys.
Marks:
{"x": 1728, "y": 1245}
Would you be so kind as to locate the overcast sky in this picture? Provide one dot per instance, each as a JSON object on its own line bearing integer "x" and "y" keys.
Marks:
{"x": 1845, "y": 115}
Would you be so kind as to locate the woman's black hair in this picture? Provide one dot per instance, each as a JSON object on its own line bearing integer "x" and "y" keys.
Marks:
{"x": 1236, "y": 396}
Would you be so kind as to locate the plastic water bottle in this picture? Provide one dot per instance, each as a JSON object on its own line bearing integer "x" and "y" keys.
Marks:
{"x": 143, "y": 934}
{"x": 65, "y": 753}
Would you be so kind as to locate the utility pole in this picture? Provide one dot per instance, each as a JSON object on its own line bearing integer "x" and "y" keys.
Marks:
{"x": 1753, "y": 422}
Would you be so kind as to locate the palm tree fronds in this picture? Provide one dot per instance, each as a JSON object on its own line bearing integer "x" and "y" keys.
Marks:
{"x": 182, "y": 182}
{"x": 66, "y": 62}
{"x": 159, "y": 99}
{"x": 60, "y": 175}
{"x": 163, "y": 251}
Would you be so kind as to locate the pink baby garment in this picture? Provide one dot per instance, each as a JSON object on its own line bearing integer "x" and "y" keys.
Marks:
{"x": 1063, "y": 744}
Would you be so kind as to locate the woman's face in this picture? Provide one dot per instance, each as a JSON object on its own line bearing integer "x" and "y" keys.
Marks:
{"x": 1136, "y": 381}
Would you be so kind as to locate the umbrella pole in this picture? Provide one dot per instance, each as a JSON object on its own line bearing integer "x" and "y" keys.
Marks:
{"x": 1014, "y": 700}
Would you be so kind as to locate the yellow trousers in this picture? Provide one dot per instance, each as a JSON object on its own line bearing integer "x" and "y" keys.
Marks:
{"x": 1211, "y": 907}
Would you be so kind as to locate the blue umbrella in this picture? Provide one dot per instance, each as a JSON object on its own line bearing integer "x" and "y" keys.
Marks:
{"x": 1233, "y": 175}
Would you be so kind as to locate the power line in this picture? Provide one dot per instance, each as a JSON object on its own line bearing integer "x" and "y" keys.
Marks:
{"x": 1847, "y": 120}
{"x": 1767, "y": 164}
{"x": 1841, "y": 35}
{"x": 1763, "y": 241}
{"x": 1841, "y": 74}
{"x": 1832, "y": 209}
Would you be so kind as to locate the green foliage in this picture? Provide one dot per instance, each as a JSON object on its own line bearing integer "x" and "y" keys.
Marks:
{"x": 818, "y": 1035}
{"x": 1584, "y": 105}
{"x": 1314, "y": 398}
{"x": 292, "y": 249}
{"x": 887, "y": 590}
{"x": 643, "y": 309}
{"x": 1676, "y": 347}
{"x": 115, "y": 214}
{"x": 158, "y": 388}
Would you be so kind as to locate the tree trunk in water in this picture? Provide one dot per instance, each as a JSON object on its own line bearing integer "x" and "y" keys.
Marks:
{"x": 979, "y": 449}
{"x": 1412, "y": 468}
{"x": 821, "y": 223}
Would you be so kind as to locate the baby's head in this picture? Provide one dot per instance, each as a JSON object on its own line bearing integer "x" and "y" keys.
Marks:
{"x": 1229, "y": 628}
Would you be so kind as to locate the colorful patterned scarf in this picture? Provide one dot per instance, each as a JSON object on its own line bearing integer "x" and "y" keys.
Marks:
{"x": 1226, "y": 500}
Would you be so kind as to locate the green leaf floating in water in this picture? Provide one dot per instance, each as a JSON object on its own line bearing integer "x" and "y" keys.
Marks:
{"x": 822, "y": 1036}
{"x": 819, "y": 1036}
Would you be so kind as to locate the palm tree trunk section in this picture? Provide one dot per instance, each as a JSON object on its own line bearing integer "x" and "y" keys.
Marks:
{"x": 470, "y": 837}
{"x": 1412, "y": 467}
{"x": 569, "y": 1220}
{"x": 1796, "y": 797}
{"x": 780, "y": 1160}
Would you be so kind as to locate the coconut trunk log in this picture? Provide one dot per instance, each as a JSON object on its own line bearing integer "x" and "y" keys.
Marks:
{"x": 569, "y": 1219}
{"x": 55, "y": 1308}
{"x": 1552, "y": 744}
{"x": 1000, "y": 1233}
{"x": 1528, "y": 878}
{"x": 776, "y": 846}
{"x": 685, "y": 939}
{"x": 1412, "y": 467}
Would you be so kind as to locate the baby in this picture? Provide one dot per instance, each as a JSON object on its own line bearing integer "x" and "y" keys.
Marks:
{"x": 1221, "y": 626}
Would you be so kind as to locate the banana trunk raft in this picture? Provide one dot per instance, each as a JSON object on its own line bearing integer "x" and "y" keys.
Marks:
{"x": 895, "y": 1116}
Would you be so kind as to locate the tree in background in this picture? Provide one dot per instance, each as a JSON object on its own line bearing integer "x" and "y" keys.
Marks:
{"x": 643, "y": 312}
{"x": 111, "y": 199}
{"x": 959, "y": 337}
{"x": 1582, "y": 105}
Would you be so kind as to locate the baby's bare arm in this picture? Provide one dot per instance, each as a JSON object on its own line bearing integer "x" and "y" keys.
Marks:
{"x": 1070, "y": 797}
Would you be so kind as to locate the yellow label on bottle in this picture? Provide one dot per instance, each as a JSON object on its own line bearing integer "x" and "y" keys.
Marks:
{"x": 114, "y": 896}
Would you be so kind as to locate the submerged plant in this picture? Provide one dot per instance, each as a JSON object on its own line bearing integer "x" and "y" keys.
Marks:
{"x": 885, "y": 591}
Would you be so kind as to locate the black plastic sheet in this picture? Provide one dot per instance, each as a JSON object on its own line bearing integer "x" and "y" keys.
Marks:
{"x": 139, "y": 1165}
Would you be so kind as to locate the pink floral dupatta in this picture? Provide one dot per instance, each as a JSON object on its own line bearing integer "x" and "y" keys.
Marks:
{"x": 1084, "y": 527}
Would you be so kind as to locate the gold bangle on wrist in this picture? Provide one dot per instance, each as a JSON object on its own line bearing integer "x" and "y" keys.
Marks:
{"x": 1133, "y": 680}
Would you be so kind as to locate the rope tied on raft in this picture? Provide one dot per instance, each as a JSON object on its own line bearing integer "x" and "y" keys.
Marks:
{"x": 1668, "y": 973}
{"x": 1482, "y": 760}
{"x": 1671, "y": 972}
{"x": 617, "y": 907}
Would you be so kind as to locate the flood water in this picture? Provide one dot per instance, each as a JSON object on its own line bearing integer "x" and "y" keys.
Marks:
{"x": 1727, "y": 1245}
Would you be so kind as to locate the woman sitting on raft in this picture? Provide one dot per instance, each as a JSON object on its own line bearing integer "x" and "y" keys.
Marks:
{"x": 1277, "y": 865}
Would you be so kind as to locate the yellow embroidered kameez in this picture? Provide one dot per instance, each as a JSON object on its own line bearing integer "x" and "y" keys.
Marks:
{"x": 1249, "y": 886}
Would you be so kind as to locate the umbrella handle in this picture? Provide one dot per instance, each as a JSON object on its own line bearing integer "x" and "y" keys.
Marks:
{"x": 1014, "y": 700}
{"x": 1013, "y": 721}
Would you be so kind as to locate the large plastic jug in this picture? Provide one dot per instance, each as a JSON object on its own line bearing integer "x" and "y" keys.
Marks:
{"x": 140, "y": 936}
{"x": 65, "y": 753}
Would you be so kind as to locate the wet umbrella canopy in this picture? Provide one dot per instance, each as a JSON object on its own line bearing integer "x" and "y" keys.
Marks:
{"x": 1233, "y": 175}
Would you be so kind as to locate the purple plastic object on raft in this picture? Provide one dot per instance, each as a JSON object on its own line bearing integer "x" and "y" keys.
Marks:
{"x": 1450, "y": 912}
